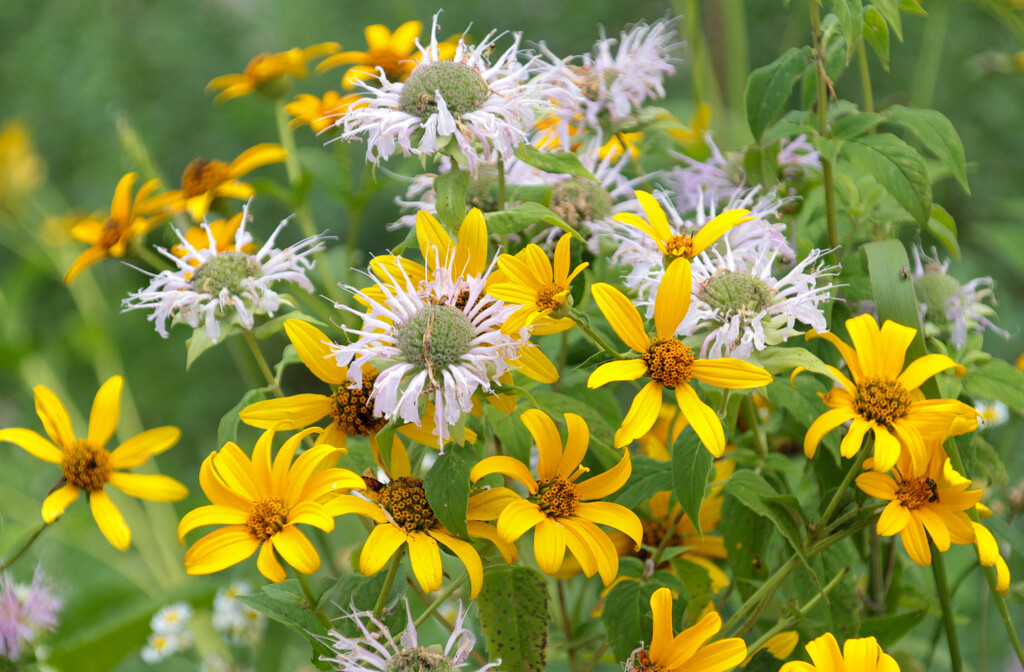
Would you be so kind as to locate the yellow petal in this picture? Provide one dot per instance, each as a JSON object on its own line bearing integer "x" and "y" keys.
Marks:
{"x": 425, "y": 558}
{"x": 314, "y": 349}
{"x": 121, "y": 204}
{"x": 887, "y": 449}
{"x": 296, "y": 549}
{"x": 382, "y": 543}
{"x": 661, "y": 612}
{"x": 141, "y": 447}
{"x": 213, "y": 514}
{"x": 535, "y": 365}
{"x": 294, "y": 412}
{"x": 55, "y": 417}
{"x": 622, "y": 315}
{"x": 237, "y": 471}
{"x": 104, "y": 414}
{"x": 936, "y": 528}
{"x": 732, "y": 374}
{"x": 518, "y": 517}
{"x": 702, "y": 418}
{"x": 268, "y": 564}
{"x": 311, "y": 513}
{"x": 824, "y": 652}
{"x": 434, "y": 242}
{"x": 563, "y": 254}
{"x": 722, "y": 655}
{"x": 604, "y": 484}
{"x": 549, "y": 545}
{"x": 471, "y": 250}
{"x": 605, "y": 553}
{"x": 718, "y": 227}
{"x": 854, "y": 439}
{"x": 825, "y": 423}
{"x": 612, "y": 515}
{"x": 686, "y": 644}
{"x": 505, "y": 465}
{"x": 549, "y": 443}
{"x": 469, "y": 557}
{"x": 217, "y": 490}
{"x": 579, "y": 548}
{"x": 110, "y": 520}
{"x": 916, "y": 542}
{"x": 254, "y": 157}
{"x": 893, "y": 519}
{"x": 618, "y": 370}
{"x": 893, "y": 341}
{"x": 673, "y": 298}
{"x": 642, "y": 414}
{"x": 57, "y": 501}
{"x": 84, "y": 261}
{"x": 154, "y": 487}
{"x": 343, "y": 504}
{"x": 877, "y": 485}
{"x": 655, "y": 215}
{"x": 479, "y": 530}
{"x": 220, "y": 549}
{"x": 923, "y": 368}
{"x": 576, "y": 444}
{"x": 33, "y": 443}
{"x": 488, "y": 504}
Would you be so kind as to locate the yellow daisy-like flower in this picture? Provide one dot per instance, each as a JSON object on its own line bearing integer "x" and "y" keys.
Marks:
{"x": 223, "y": 233}
{"x": 540, "y": 289}
{"x": 679, "y": 249}
{"x": 883, "y": 397}
{"x": 394, "y": 53}
{"x": 128, "y": 218}
{"x": 688, "y": 651}
{"x": 87, "y": 466}
{"x": 924, "y": 496}
{"x": 565, "y": 513}
{"x": 21, "y": 169}
{"x": 668, "y": 362}
{"x": 207, "y": 179}
{"x": 321, "y": 113}
{"x": 404, "y": 517}
{"x": 858, "y": 655}
{"x": 348, "y": 408}
{"x": 267, "y": 73}
{"x": 260, "y": 503}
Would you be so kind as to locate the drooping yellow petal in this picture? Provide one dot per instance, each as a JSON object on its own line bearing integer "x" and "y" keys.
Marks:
{"x": 220, "y": 549}
{"x": 718, "y": 227}
{"x": 314, "y": 349}
{"x": 936, "y": 528}
{"x": 687, "y": 643}
{"x": 854, "y": 439}
{"x": 605, "y": 553}
{"x": 57, "y": 501}
{"x": 141, "y": 447}
{"x": 110, "y": 520}
{"x": 825, "y": 423}
{"x": 702, "y": 418}
{"x": 105, "y": 409}
{"x": 887, "y": 449}
{"x": 298, "y": 410}
{"x": 622, "y": 315}
{"x": 268, "y": 564}
{"x": 479, "y": 530}
{"x": 549, "y": 545}
{"x": 535, "y": 365}
{"x": 642, "y": 414}
{"x": 505, "y": 465}
{"x": 33, "y": 443}
{"x": 255, "y": 157}
{"x": 425, "y": 558}
{"x": 923, "y": 368}
{"x": 468, "y": 555}
{"x": 83, "y": 261}
{"x": 730, "y": 373}
{"x": 56, "y": 420}
{"x": 549, "y": 443}
{"x": 605, "y": 483}
{"x": 580, "y": 548}
{"x": 612, "y": 515}
{"x": 296, "y": 549}
{"x": 488, "y": 504}
{"x": 915, "y": 541}
{"x": 894, "y": 518}
{"x": 673, "y": 298}
{"x": 618, "y": 370}
{"x": 154, "y": 487}
{"x": 382, "y": 543}
{"x": 719, "y": 656}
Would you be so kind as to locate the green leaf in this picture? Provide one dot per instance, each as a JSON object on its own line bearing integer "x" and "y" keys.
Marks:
{"x": 355, "y": 592}
{"x": 563, "y": 163}
{"x": 513, "y": 605}
{"x": 692, "y": 467}
{"x": 276, "y": 324}
{"x": 522, "y": 216}
{"x": 200, "y": 343}
{"x": 890, "y": 11}
{"x": 782, "y": 360}
{"x": 936, "y": 133}
{"x": 855, "y": 125}
{"x": 227, "y": 429}
{"x": 942, "y": 227}
{"x": 698, "y": 585}
{"x": 627, "y": 616}
{"x": 997, "y": 379}
{"x": 876, "y": 33}
{"x": 851, "y": 22}
{"x": 889, "y": 630}
{"x": 988, "y": 462}
{"x": 451, "y": 197}
{"x": 893, "y": 289}
{"x": 755, "y": 493}
{"x": 447, "y": 487}
{"x": 747, "y": 544}
{"x": 769, "y": 87}
{"x": 647, "y": 477}
{"x": 286, "y": 604}
{"x": 898, "y": 168}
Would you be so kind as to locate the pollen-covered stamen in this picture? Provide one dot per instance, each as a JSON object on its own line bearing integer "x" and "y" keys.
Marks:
{"x": 406, "y": 500}
{"x": 914, "y": 493}
{"x": 669, "y": 362}
{"x": 436, "y": 337}
{"x": 882, "y": 400}
{"x": 351, "y": 410}
{"x": 225, "y": 270}
{"x": 202, "y": 175}
{"x": 86, "y": 466}
{"x": 267, "y": 517}
{"x": 557, "y": 497}
{"x": 546, "y": 296}
{"x": 580, "y": 200}
{"x": 679, "y": 246}
{"x": 420, "y": 659}
{"x": 732, "y": 293}
{"x": 461, "y": 87}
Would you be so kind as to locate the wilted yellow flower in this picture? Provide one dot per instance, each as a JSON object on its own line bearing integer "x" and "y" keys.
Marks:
{"x": 394, "y": 53}
{"x": 266, "y": 73}
{"x": 21, "y": 169}
{"x": 321, "y": 113}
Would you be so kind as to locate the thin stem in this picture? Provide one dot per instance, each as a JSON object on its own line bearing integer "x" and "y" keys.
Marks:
{"x": 668, "y": 536}
{"x": 929, "y": 63}
{"x": 389, "y": 581}
{"x": 865, "y": 78}
{"x": 313, "y": 603}
{"x": 754, "y": 423}
{"x": 737, "y": 65}
{"x": 566, "y": 627}
{"x": 501, "y": 184}
{"x": 792, "y": 620}
{"x": 942, "y": 586}
{"x": 593, "y": 335}
{"x": 24, "y": 547}
{"x": 445, "y": 594}
{"x": 261, "y": 362}
{"x": 823, "y": 131}
{"x": 855, "y": 469}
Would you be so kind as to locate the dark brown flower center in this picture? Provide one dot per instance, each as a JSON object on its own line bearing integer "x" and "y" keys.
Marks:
{"x": 351, "y": 409}
{"x": 203, "y": 175}
{"x": 86, "y": 466}
{"x": 914, "y": 493}
{"x": 406, "y": 500}
{"x": 669, "y": 362}
{"x": 557, "y": 497}
{"x": 111, "y": 234}
{"x": 882, "y": 400}
{"x": 267, "y": 517}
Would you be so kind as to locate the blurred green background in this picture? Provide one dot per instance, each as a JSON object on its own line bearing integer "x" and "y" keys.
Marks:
{"x": 69, "y": 69}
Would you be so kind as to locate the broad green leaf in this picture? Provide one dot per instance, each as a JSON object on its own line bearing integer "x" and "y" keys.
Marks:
{"x": 276, "y": 324}
{"x": 801, "y": 401}
{"x": 692, "y": 467}
{"x": 200, "y": 343}
{"x": 855, "y": 125}
{"x": 890, "y": 629}
{"x": 898, "y": 168}
{"x": 942, "y": 227}
{"x": 755, "y": 493}
{"x": 769, "y": 87}
{"x": 746, "y": 543}
{"x": 627, "y": 616}
{"x": 988, "y": 462}
{"x": 513, "y": 605}
{"x": 779, "y": 360}
{"x": 227, "y": 429}
{"x": 447, "y": 487}
{"x": 876, "y": 33}
{"x": 997, "y": 379}
{"x": 285, "y": 603}
{"x": 647, "y": 477}
{"x": 936, "y": 133}
{"x": 841, "y": 606}
{"x": 522, "y": 216}
{"x": 893, "y": 289}
{"x": 851, "y": 22}
{"x": 562, "y": 163}
{"x": 698, "y": 585}
{"x": 890, "y": 11}
{"x": 355, "y": 592}
{"x": 451, "y": 197}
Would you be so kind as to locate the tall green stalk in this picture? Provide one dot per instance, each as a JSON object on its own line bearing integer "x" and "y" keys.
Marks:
{"x": 942, "y": 587}
{"x": 822, "y": 104}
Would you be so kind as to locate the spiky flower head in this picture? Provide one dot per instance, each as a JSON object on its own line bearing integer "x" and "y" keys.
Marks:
{"x": 26, "y": 611}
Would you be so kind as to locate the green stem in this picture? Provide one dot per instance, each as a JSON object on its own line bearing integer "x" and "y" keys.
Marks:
{"x": 855, "y": 468}
{"x": 929, "y": 63}
{"x": 596, "y": 658}
{"x": 445, "y": 594}
{"x": 593, "y": 335}
{"x": 389, "y": 581}
{"x": 942, "y": 586}
{"x": 261, "y": 362}
{"x": 24, "y": 547}
{"x": 737, "y": 66}
{"x": 754, "y": 423}
{"x": 313, "y": 603}
{"x": 501, "y": 184}
{"x": 566, "y": 626}
{"x": 803, "y": 611}
{"x": 865, "y": 78}
{"x": 823, "y": 131}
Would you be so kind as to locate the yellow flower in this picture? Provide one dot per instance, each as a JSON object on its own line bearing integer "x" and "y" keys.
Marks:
{"x": 260, "y": 503}
{"x": 688, "y": 651}
{"x": 127, "y": 218}
{"x": 780, "y": 646}
{"x": 266, "y": 73}
{"x": 680, "y": 248}
{"x": 700, "y": 123}
{"x": 88, "y": 466}
{"x": 349, "y": 409}
{"x": 1020, "y": 362}
{"x": 620, "y": 142}
{"x": 563, "y": 511}
{"x": 21, "y": 169}
{"x": 540, "y": 290}
{"x": 549, "y": 132}
{"x": 404, "y": 517}
{"x": 321, "y": 113}
{"x": 394, "y": 53}
{"x": 668, "y": 362}
{"x": 882, "y": 399}
{"x": 927, "y": 495}
{"x": 223, "y": 233}
{"x": 207, "y": 179}
{"x": 858, "y": 655}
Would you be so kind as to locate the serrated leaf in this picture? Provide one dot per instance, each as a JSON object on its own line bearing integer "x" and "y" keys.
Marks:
{"x": 769, "y": 87}
{"x": 851, "y": 22}
{"x": 936, "y": 133}
{"x": 562, "y": 163}
{"x": 648, "y": 477}
{"x": 627, "y": 616}
{"x": 942, "y": 227}
{"x": 451, "y": 197}
{"x": 754, "y": 492}
{"x": 227, "y": 429}
{"x": 692, "y": 467}
{"x": 513, "y": 606}
{"x": 447, "y": 487}
{"x": 996, "y": 379}
{"x": 898, "y": 168}
{"x": 522, "y": 216}
{"x": 876, "y": 33}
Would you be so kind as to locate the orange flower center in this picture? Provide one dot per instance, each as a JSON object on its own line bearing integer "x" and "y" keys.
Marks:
{"x": 406, "y": 500}
{"x": 557, "y": 497}
{"x": 86, "y": 466}
{"x": 645, "y": 664}
{"x": 203, "y": 175}
{"x": 546, "y": 296}
{"x": 914, "y": 493}
{"x": 669, "y": 362}
{"x": 679, "y": 246}
{"x": 882, "y": 400}
{"x": 351, "y": 410}
{"x": 111, "y": 234}
{"x": 267, "y": 517}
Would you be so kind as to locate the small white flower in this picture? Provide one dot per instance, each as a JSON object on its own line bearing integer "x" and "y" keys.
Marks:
{"x": 215, "y": 288}
{"x": 238, "y": 622}
{"x": 993, "y": 413}
{"x": 172, "y": 618}
{"x": 160, "y": 646}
